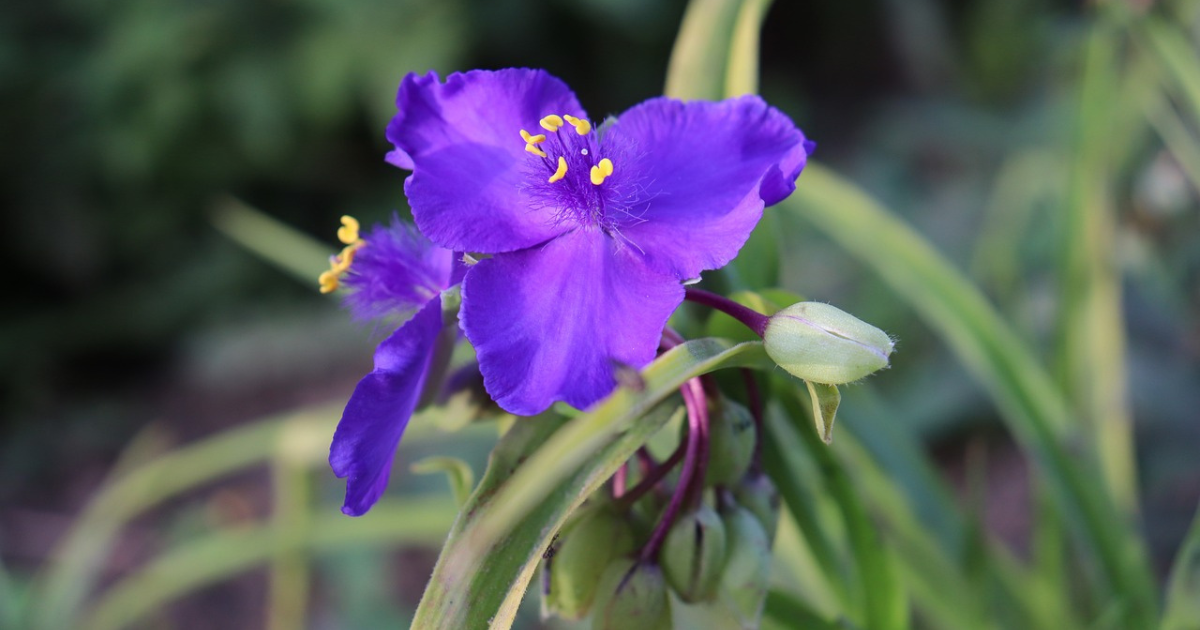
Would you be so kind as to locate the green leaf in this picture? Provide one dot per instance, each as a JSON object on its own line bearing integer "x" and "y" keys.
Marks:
{"x": 784, "y": 611}
{"x": 883, "y": 601}
{"x": 741, "y": 74}
{"x": 540, "y": 472}
{"x": 1183, "y": 587}
{"x": 825, "y": 401}
{"x": 803, "y": 493}
{"x": 290, "y": 250}
{"x": 698, "y": 60}
{"x": 458, "y": 473}
{"x": 1030, "y": 403}
{"x": 221, "y": 555}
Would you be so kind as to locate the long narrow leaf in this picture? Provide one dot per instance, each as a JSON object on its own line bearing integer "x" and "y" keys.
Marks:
{"x": 222, "y": 555}
{"x": 1183, "y": 587}
{"x": 1034, "y": 409}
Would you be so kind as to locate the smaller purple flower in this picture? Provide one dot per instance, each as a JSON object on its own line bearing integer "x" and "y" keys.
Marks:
{"x": 394, "y": 271}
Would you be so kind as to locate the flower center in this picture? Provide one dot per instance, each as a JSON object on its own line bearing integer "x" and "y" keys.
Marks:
{"x": 569, "y": 159}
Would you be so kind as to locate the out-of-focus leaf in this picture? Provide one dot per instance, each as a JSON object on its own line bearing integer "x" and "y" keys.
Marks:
{"x": 883, "y": 601}
{"x": 458, "y": 473}
{"x": 798, "y": 480}
{"x": 538, "y": 475}
{"x": 78, "y": 557}
{"x": 1032, "y": 406}
{"x": 221, "y": 555}
{"x": 276, "y": 242}
{"x": 1183, "y": 587}
{"x": 1090, "y": 328}
{"x": 741, "y": 72}
{"x": 1176, "y": 55}
{"x": 699, "y": 58}
{"x": 785, "y": 612}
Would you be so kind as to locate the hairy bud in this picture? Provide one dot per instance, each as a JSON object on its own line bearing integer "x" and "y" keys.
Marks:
{"x": 748, "y": 565}
{"x": 693, "y": 555}
{"x": 631, "y": 596}
{"x": 823, "y": 344}
{"x": 731, "y": 442}
{"x": 757, "y": 493}
{"x": 581, "y": 557}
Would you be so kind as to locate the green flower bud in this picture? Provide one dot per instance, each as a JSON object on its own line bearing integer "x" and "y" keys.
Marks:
{"x": 757, "y": 493}
{"x": 731, "y": 442}
{"x": 583, "y": 553}
{"x": 748, "y": 567}
{"x": 693, "y": 555}
{"x": 631, "y": 597}
{"x": 821, "y": 343}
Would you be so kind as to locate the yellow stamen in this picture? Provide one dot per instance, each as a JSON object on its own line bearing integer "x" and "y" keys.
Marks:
{"x": 601, "y": 171}
{"x": 582, "y": 127}
{"x": 551, "y": 123}
{"x": 561, "y": 172}
{"x": 532, "y": 148}
{"x": 348, "y": 233}
{"x": 329, "y": 282}
{"x": 338, "y": 264}
{"x": 532, "y": 139}
{"x": 342, "y": 262}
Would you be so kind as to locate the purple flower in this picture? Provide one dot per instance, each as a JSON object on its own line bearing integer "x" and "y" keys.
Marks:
{"x": 590, "y": 231}
{"x": 394, "y": 271}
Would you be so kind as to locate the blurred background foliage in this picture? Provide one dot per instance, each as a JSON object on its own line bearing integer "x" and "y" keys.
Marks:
{"x": 133, "y": 324}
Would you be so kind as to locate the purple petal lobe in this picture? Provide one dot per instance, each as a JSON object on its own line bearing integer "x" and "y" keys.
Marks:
{"x": 703, "y": 172}
{"x": 374, "y": 420}
{"x": 555, "y": 322}
{"x": 397, "y": 270}
{"x": 462, "y": 141}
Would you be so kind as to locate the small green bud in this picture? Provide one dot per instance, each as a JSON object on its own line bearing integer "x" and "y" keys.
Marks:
{"x": 748, "y": 568}
{"x": 824, "y": 344}
{"x": 631, "y": 597}
{"x": 693, "y": 554}
{"x": 580, "y": 559}
{"x": 757, "y": 493}
{"x": 731, "y": 442}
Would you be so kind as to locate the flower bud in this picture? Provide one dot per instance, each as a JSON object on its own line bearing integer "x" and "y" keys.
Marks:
{"x": 731, "y": 442}
{"x": 748, "y": 567}
{"x": 631, "y": 597}
{"x": 757, "y": 493}
{"x": 582, "y": 555}
{"x": 693, "y": 555}
{"x": 824, "y": 344}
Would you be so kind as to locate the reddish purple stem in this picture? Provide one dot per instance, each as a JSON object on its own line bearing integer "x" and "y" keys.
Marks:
{"x": 696, "y": 448}
{"x": 751, "y": 318}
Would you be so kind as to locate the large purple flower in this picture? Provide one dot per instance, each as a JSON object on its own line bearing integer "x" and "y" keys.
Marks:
{"x": 591, "y": 231}
{"x": 395, "y": 271}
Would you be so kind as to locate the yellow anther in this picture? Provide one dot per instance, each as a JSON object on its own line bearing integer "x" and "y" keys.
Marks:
{"x": 532, "y": 139}
{"x": 601, "y": 171}
{"x": 329, "y": 281}
{"x": 561, "y": 172}
{"x": 348, "y": 233}
{"x": 532, "y": 148}
{"x": 582, "y": 127}
{"x": 551, "y": 122}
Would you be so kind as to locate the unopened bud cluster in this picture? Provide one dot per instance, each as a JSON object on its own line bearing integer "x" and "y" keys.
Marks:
{"x": 717, "y": 549}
